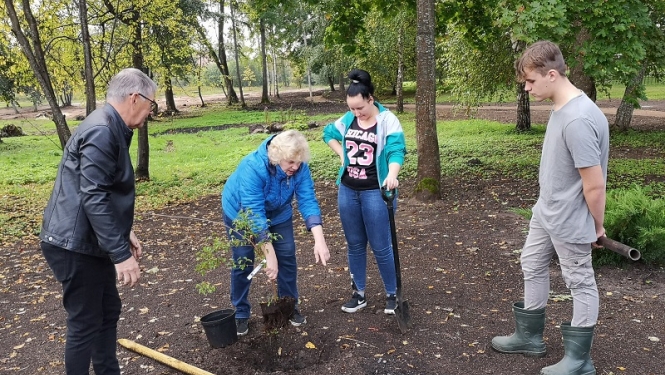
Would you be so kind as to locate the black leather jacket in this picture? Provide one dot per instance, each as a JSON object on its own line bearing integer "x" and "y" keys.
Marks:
{"x": 91, "y": 209}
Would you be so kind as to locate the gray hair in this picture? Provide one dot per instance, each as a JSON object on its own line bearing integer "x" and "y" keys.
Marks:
{"x": 288, "y": 145}
{"x": 129, "y": 81}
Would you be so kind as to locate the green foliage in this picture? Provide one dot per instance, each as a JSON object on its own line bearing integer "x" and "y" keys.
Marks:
{"x": 478, "y": 74}
{"x": 634, "y": 217}
{"x": 300, "y": 126}
{"x": 293, "y": 119}
{"x": 217, "y": 253}
{"x": 381, "y": 45}
{"x": 248, "y": 76}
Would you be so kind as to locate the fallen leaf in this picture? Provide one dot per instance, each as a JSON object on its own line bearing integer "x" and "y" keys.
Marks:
{"x": 164, "y": 348}
{"x": 652, "y": 338}
{"x": 17, "y": 347}
{"x": 310, "y": 345}
{"x": 143, "y": 310}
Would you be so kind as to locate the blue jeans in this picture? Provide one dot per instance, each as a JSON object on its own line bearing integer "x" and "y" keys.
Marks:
{"x": 287, "y": 276}
{"x": 365, "y": 219}
{"x": 90, "y": 297}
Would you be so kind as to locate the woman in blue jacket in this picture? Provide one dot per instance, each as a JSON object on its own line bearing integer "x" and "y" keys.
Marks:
{"x": 370, "y": 143}
{"x": 264, "y": 184}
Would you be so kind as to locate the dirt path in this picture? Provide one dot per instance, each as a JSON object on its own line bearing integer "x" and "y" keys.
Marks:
{"x": 660, "y": 113}
{"x": 654, "y": 109}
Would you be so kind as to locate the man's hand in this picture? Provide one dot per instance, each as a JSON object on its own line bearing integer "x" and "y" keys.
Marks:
{"x": 599, "y": 233}
{"x": 128, "y": 272}
{"x": 135, "y": 246}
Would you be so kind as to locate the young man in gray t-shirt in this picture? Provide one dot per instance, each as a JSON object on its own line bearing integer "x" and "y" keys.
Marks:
{"x": 568, "y": 216}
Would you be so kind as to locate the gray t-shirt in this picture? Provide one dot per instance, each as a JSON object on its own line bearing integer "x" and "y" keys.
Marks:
{"x": 577, "y": 136}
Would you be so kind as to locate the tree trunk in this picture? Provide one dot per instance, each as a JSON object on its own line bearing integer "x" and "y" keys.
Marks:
{"x": 264, "y": 63}
{"x": 309, "y": 73}
{"x": 429, "y": 167}
{"x": 198, "y": 88}
{"x": 400, "y": 72}
{"x": 341, "y": 82}
{"x": 577, "y": 75}
{"x": 67, "y": 94}
{"x": 235, "y": 49}
{"x": 331, "y": 83}
{"x": 90, "y": 95}
{"x": 309, "y": 83}
{"x": 223, "y": 65}
{"x": 142, "y": 170}
{"x": 629, "y": 101}
{"x": 275, "y": 73}
{"x": 523, "y": 109}
{"x": 218, "y": 63}
{"x": 35, "y": 55}
{"x": 168, "y": 94}
{"x": 203, "y": 104}
{"x": 131, "y": 19}
{"x": 270, "y": 86}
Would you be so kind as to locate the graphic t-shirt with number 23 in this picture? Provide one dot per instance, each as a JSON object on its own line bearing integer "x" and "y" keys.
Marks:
{"x": 360, "y": 147}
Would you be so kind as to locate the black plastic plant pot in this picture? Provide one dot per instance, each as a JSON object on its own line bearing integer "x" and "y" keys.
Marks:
{"x": 220, "y": 328}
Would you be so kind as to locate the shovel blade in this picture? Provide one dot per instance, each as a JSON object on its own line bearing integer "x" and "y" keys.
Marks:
{"x": 403, "y": 316}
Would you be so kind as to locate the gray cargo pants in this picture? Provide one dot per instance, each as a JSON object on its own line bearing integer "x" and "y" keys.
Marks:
{"x": 575, "y": 260}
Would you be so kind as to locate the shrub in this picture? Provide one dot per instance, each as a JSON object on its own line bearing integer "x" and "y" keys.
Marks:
{"x": 634, "y": 217}
{"x": 217, "y": 254}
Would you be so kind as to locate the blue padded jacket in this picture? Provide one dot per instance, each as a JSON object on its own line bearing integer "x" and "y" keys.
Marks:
{"x": 268, "y": 192}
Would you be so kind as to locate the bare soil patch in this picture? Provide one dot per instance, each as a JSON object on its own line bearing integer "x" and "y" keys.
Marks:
{"x": 460, "y": 273}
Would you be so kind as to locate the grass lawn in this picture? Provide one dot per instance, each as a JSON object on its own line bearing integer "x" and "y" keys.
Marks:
{"x": 185, "y": 166}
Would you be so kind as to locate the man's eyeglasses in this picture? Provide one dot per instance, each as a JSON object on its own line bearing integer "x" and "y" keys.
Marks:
{"x": 153, "y": 104}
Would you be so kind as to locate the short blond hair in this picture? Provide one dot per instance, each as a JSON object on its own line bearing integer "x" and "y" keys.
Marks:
{"x": 288, "y": 145}
{"x": 542, "y": 57}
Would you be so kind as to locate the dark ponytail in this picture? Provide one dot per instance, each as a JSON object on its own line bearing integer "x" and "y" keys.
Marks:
{"x": 361, "y": 83}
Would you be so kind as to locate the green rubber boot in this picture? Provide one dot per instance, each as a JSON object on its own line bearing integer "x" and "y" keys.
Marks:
{"x": 576, "y": 360}
{"x": 528, "y": 336}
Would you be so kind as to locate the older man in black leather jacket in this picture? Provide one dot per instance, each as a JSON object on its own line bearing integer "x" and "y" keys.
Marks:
{"x": 86, "y": 235}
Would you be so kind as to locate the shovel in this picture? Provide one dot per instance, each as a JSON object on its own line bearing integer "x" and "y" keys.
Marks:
{"x": 402, "y": 310}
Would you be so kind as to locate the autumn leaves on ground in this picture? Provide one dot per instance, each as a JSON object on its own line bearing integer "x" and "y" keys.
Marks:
{"x": 460, "y": 274}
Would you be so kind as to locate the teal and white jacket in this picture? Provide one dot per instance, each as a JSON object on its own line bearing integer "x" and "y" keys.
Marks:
{"x": 390, "y": 143}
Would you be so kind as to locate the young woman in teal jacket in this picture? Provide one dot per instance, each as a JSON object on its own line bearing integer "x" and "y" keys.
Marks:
{"x": 370, "y": 143}
{"x": 265, "y": 183}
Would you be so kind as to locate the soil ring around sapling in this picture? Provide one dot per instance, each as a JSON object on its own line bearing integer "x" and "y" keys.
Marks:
{"x": 276, "y": 313}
